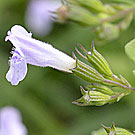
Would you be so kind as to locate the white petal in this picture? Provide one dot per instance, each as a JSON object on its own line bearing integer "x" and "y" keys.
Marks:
{"x": 19, "y": 31}
{"x": 39, "y": 53}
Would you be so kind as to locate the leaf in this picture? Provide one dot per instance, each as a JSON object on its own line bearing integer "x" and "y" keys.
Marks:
{"x": 130, "y": 49}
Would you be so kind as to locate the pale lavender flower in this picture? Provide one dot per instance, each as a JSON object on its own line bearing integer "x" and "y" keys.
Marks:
{"x": 11, "y": 122}
{"x": 32, "y": 51}
{"x": 39, "y": 16}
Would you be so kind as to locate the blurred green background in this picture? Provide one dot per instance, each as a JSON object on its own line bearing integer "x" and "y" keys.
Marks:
{"x": 45, "y": 96}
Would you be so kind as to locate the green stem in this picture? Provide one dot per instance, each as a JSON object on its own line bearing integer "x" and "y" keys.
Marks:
{"x": 118, "y": 84}
{"x": 115, "y": 77}
{"x": 115, "y": 96}
{"x": 117, "y": 16}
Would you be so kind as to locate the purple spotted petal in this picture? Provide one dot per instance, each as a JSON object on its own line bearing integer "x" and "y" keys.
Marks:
{"x": 17, "y": 70}
{"x": 11, "y": 122}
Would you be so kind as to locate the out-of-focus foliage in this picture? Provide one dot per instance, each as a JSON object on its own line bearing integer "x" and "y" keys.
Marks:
{"x": 45, "y": 96}
{"x": 107, "y": 18}
{"x": 39, "y": 14}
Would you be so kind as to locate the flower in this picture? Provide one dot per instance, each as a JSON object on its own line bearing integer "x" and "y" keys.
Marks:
{"x": 34, "y": 52}
{"x": 39, "y": 16}
{"x": 11, "y": 122}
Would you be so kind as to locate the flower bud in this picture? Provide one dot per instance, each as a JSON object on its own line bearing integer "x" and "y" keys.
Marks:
{"x": 126, "y": 2}
{"x": 62, "y": 13}
{"x": 73, "y": 2}
{"x": 107, "y": 31}
{"x": 111, "y": 131}
{"x": 100, "y": 88}
{"x": 99, "y": 62}
{"x": 92, "y": 98}
{"x": 82, "y": 16}
{"x": 116, "y": 130}
{"x": 120, "y": 7}
{"x": 92, "y": 5}
{"x": 110, "y": 9}
{"x": 77, "y": 14}
{"x": 102, "y": 15}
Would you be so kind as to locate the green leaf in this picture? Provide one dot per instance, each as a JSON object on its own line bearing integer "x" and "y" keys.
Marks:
{"x": 130, "y": 49}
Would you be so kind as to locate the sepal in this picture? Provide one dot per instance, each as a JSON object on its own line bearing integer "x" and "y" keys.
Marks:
{"x": 116, "y": 130}
{"x": 82, "y": 16}
{"x": 98, "y": 61}
{"x": 125, "y": 2}
{"x": 100, "y": 88}
{"x": 87, "y": 73}
{"x": 111, "y": 131}
{"x": 92, "y": 98}
{"x": 92, "y": 5}
{"x": 124, "y": 81}
{"x": 77, "y": 14}
{"x": 103, "y": 82}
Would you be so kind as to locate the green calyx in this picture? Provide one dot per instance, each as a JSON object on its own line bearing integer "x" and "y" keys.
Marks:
{"x": 93, "y": 5}
{"x": 116, "y": 130}
{"x": 103, "y": 83}
{"x": 111, "y": 131}
{"x": 87, "y": 73}
{"x": 100, "y": 88}
{"x": 82, "y": 16}
{"x": 98, "y": 61}
{"x": 98, "y": 95}
{"x": 92, "y": 98}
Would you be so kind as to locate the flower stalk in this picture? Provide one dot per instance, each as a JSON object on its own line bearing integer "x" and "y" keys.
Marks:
{"x": 117, "y": 16}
